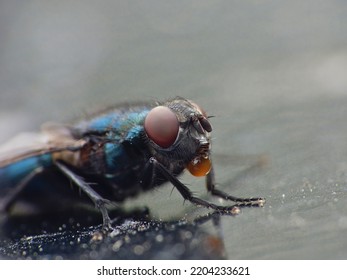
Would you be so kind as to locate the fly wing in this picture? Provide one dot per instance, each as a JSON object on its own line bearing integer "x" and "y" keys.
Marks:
{"x": 52, "y": 138}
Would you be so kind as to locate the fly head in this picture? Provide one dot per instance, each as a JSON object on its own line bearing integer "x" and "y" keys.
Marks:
{"x": 178, "y": 133}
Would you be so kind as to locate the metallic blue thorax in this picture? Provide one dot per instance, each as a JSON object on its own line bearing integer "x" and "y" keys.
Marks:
{"x": 115, "y": 149}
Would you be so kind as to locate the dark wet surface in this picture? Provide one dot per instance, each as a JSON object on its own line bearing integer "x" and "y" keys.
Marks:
{"x": 274, "y": 76}
{"x": 132, "y": 237}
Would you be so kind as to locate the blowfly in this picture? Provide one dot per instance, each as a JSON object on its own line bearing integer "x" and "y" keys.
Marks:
{"x": 116, "y": 154}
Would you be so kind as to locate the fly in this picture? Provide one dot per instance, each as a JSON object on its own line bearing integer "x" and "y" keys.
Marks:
{"x": 123, "y": 151}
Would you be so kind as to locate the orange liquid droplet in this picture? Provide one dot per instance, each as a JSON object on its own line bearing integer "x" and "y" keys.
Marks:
{"x": 199, "y": 167}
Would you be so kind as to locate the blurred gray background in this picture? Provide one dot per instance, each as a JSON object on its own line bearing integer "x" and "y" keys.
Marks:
{"x": 274, "y": 73}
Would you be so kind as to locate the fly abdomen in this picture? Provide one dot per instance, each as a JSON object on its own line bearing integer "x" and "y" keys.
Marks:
{"x": 12, "y": 173}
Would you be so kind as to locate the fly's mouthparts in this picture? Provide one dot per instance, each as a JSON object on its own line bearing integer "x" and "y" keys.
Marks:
{"x": 204, "y": 150}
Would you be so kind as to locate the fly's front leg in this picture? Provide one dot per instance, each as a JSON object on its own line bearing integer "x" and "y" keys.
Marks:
{"x": 186, "y": 193}
{"x": 148, "y": 175}
{"x": 242, "y": 202}
{"x": 99, "y": 201}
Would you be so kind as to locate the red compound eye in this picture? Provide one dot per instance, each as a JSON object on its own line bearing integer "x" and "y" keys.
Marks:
{"x": 161, "y": 126}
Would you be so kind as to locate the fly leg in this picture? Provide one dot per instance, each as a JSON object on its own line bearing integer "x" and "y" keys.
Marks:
{"x": 11, "y": 197}
{"x": 241, "y": 202}
{"x": 187, "y": 194}
{"x": 148, "y": 175}
{"x": 100, "y": 202}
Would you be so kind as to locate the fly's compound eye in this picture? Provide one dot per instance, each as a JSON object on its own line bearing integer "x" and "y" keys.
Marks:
{"x": 199, "y": 166}
{"x": 161, "y": 126}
